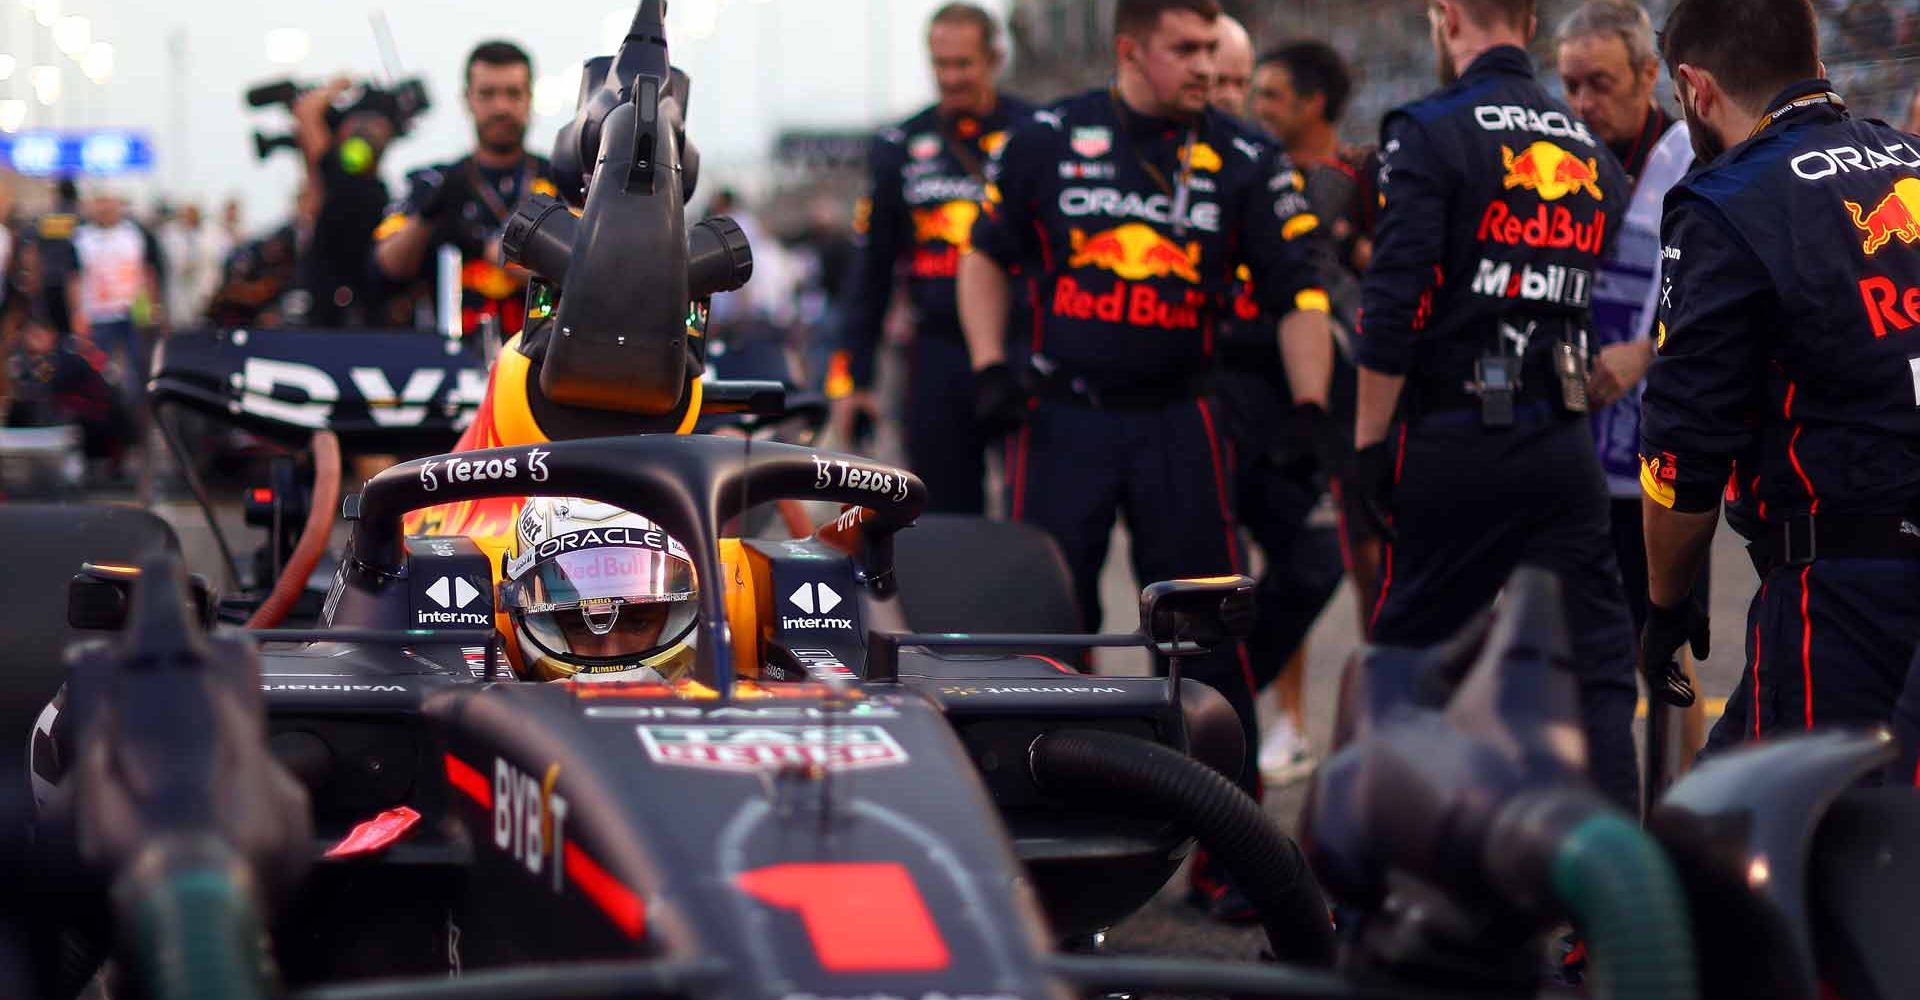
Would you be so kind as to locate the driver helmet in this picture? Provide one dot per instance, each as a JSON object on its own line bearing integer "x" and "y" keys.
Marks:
{"x": 596, "y": 593}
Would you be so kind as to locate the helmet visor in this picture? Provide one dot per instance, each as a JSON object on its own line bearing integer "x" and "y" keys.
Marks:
{"x": 605, "y": 606}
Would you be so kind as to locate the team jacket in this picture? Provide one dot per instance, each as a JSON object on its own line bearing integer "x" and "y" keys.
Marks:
{"x": 1789, "y": 331}
{"x": 1340, "y": 194}
{"x": 929, "y": 178}
{"x": 1497, "y": 206}
{"x": 1128, "y": 294}
{"x": 473, "y": 208}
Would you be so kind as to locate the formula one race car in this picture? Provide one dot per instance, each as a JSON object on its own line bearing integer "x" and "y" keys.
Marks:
{"x": 902, "y": 815}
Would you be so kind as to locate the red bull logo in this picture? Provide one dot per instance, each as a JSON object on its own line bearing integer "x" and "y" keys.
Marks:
{"x": 941, "y": 233}
{"x": 1551, "y": 172}
{"x": 949, "y": 222}
{"x": 1136, "y": 252}
{"x": 1897, "y": 216}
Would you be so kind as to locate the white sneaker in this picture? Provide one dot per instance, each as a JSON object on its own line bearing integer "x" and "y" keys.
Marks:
{"x": 1285, "y": 754}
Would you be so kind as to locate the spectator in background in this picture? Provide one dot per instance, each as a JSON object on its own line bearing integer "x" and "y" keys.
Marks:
{"x": 6, "y": 235}
{"x": 115, "y": 274}
{"x": 59, "y": 261}
{"x": 194, "y": 253}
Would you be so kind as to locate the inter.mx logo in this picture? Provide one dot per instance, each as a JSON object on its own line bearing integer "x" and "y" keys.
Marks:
{"x": 453, "y": 593}
{"x": 815, "y": 600}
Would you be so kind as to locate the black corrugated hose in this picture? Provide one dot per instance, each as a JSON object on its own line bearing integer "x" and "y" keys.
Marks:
{"x": 1119, "y": 773}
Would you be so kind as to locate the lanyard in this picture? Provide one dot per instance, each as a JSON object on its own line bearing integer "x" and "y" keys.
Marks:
{"x": 961, "y": 148}
{"x": 500, "y": 209}
{"x": 1791, "y": 106}
{"x": 1178, "y": 190}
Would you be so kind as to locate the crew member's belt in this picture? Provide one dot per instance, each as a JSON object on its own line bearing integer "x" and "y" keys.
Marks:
{"x": 1052, "y": 381}
{"x": 1803, "y": 538}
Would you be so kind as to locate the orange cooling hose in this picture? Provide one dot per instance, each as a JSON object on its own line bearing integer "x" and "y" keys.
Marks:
{"x": 313, "y": 537}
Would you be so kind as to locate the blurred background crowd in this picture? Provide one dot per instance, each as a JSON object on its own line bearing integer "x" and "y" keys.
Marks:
{"x": 103, "y": 259}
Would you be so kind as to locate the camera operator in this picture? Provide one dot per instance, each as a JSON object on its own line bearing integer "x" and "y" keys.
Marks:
{"x": 347, "y": 197}
{"x": 467, "y": 203}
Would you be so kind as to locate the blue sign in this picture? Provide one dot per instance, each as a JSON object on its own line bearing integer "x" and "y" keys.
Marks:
{"x": 99, "y": 152}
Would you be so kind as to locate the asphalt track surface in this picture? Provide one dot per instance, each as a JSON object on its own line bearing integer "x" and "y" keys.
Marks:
{"x": 1168, "y": 926}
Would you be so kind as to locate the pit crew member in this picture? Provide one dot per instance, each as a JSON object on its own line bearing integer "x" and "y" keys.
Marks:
{"x": 1785, "y": 360}
{"x": 1138, "y": 201}
{"x": 1498, "y": 208}
{"x": 928, "y": 181}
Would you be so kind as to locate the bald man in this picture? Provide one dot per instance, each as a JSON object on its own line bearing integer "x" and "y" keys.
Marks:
{"x": 1232, "y": 67}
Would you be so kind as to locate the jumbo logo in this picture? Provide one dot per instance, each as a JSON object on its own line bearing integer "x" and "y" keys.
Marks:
{"x": 1136, "y": 252}
{"x": 1897, "y": 216}
{"x": 1551, "y": 172}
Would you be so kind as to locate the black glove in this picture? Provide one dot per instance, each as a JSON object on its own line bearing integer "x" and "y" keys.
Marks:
{"x": 1000, "y": 401}
{"x": 1666, "y": 631}
{"x": 1371, "y": 483}
{"x": 429, "y": 194}
{"x": 1317, "y": 428}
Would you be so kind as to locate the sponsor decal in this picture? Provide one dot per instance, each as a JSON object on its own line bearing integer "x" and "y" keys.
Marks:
{"x": 1067, "y": 689}
{"x": 934, "y": 188}
{"x": 1897, "y": 216}
{"x": 357, "y": 688}
{"x": 1669, "y": 253}
{"x": 1569, "y": 286}
{"x": 1551, "y": 172}
{"x": 757, "y": 748}
{"x": 1515, "y": 118}
{"x": 815, "y": 599}
{"x": 452, "y": 594}
{"x": 1071, "y": 170}
{"x": 529, "y": 819}
{"x": 1091, "y": 141}
{"x": 266, "y": 385}
{"x": 1204, "y": 159}
{"x": 831, "y": 473}
{"x": 1890, "y": 308}
{"x": 924, "y": 146}
{"x": 941, "y": 233}
{"x": 1550, "y": 227}
{"x": 1297, "y": 224}
{"x": 822, "y": 664}
{"x": 460, "y": 470}
{"x": 1823, "y": 163}
{"x": 743, "y": 713}
{"x": 1135, "y": 252}
{"x": 935, "y": 995}
{"x": 1246, "y": 148}
{"x": 1079, "y": 202}
{"x": 1657, "y": 477}
{"x": 992, "y": 142}
{"x": 621, "y": 535}
{"x": 1134, "y": 304}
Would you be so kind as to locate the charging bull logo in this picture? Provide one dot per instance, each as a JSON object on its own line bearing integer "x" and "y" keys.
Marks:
{"x": 948, "y": 222}
{"x": 1551, "y": 172}
{"x": 1897, "y": 215}
{"x": 1135, "y": 252}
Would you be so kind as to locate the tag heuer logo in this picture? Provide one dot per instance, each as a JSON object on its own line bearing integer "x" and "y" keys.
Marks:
{"x": 1091, "y": 142}
{"x": 756, "y": 748}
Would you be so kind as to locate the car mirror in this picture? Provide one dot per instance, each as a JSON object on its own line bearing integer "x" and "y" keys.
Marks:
{"x": 1186, "y": 617}
{"x": 100, "y": 595}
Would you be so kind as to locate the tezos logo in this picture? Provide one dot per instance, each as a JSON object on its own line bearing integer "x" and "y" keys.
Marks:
{"x": 460, "y": 470}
